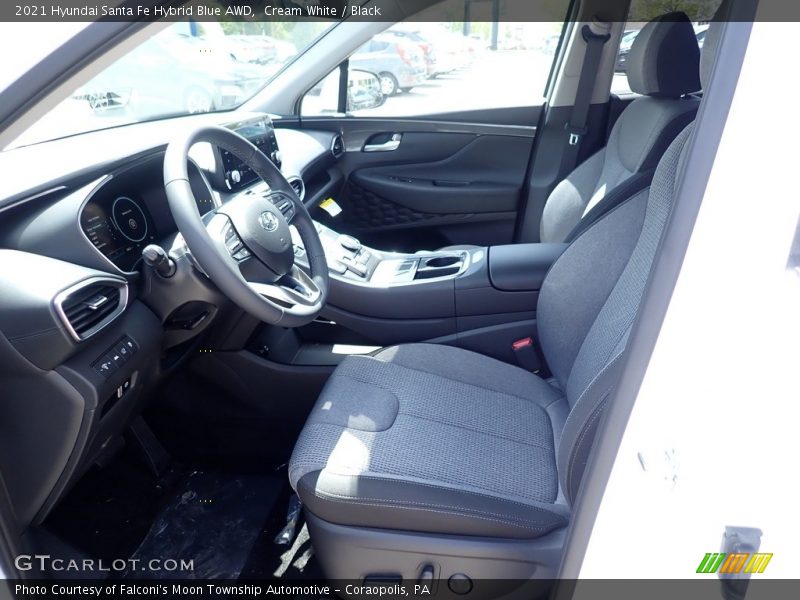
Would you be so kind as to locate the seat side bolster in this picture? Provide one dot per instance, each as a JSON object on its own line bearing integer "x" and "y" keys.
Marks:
{"x": 372, "y": 501}
{"x": 567, "y": 202}
{"x": 580, "y": 429}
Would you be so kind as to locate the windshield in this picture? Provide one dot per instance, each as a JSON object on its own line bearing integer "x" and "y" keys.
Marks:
{"x": 185, "y": 69}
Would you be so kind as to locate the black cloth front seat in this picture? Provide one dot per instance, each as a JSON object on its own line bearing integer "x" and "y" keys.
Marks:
{"x": 439, "y": 440}
{"x": 663, "y": 67}
{"x": 432, "y": 454}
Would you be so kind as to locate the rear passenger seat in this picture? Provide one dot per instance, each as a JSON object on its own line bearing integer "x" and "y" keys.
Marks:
{"x": 663, "y": 66}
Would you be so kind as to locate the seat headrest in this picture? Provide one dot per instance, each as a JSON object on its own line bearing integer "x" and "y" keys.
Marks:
{"x": 665, "y": 59}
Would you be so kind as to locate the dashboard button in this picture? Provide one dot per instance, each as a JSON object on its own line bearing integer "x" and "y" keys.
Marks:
{"x": 123, "y": 350}
{"x": 105, "y": 367}
{"x": 355, "y": 267}
{"x": 115, "y": 358}
{"x": 130, "y": 344}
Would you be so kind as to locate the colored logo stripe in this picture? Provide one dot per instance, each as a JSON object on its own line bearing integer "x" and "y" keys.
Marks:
{"x": 734, "y": 563}
{"x": 757, "y": 563}
{"x": 710, "y": 563}
{"x": 731, "y": 564}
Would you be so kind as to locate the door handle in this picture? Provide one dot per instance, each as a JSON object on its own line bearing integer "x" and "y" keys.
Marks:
{"x": 389, "y": 145}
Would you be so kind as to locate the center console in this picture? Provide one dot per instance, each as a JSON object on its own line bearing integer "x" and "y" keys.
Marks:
{"x": 350, "y": 260}
{"x": 479, "y": 298}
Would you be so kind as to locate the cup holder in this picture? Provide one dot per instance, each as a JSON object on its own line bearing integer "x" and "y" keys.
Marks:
{"x": 439, "y": 266}
{"x": 442, "y": 261}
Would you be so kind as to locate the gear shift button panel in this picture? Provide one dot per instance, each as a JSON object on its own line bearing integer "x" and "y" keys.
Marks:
{"x": 348, "y": 242}
{"x": 352, "y": 262}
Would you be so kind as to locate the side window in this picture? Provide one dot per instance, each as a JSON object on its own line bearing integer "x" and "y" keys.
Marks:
{"x": 429, "y": 68}
{"x": 378, "y": 45}
{"x": 323, "y": 99}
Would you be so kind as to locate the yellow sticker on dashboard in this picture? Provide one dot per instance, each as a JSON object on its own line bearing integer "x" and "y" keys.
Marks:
{"x": 331, "y": 207}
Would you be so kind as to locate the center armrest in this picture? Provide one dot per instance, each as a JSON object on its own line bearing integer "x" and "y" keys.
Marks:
{"x": 522, "y": 267}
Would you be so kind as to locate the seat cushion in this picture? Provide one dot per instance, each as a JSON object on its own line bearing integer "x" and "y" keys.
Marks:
{"x": 431, "y": 438}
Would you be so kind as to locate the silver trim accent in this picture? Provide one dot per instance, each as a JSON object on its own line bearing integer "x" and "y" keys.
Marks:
{"x": 309, "y": 296}
{"x": 60, "y": 298}
{"x": 302, "y": 193}
{"x": 98, "y": 303}
{"x": 389, "y": 145}
{"x": 338, "y": 136}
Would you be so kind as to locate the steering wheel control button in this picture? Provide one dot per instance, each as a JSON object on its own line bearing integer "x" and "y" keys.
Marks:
{"x": 242, "y": 254}
{"x": 261, "y": 227}
{"x": 234, "y": 244}
{"x": 286, "y": 207}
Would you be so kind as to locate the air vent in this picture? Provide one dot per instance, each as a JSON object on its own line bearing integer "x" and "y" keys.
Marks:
{"x": 298, "y": 186}
{"x": 90, "y": 305}
{"x": 337, "y": 146}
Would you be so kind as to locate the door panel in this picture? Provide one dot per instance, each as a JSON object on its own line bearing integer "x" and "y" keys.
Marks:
{"x": 412, "y": 185}
{"x": 484, "y": 176}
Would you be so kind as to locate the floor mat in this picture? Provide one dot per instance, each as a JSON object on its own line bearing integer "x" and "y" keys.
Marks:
{"x": 214, "y": 519}
{"x": 293, "y": 561}
{"x": 109, "y": 511}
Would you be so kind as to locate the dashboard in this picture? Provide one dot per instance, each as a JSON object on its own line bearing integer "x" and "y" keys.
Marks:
{"x": 85, "y": 330}
{"x": 129, "y": 210}
{"x": 260, "y": 133}
{"x": 100, "y": 210}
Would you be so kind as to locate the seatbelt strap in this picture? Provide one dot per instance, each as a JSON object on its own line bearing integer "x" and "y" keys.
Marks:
{"x": 576, "y": 127}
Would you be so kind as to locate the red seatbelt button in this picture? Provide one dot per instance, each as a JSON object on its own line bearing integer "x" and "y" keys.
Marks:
{"x": 523, "y": 343}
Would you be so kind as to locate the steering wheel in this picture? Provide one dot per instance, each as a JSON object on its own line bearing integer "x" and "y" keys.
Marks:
{"x": 245, "y": 246}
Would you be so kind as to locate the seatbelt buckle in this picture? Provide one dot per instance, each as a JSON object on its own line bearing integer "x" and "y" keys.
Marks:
{"x": 526, "y": 356}
{"x": 576, "y": 134}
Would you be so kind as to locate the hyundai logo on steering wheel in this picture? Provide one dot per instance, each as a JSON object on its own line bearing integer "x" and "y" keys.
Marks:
{"x": 268, "y": 221}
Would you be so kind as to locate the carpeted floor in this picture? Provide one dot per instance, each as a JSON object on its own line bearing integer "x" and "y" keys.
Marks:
{"x": 225, "y": 522}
